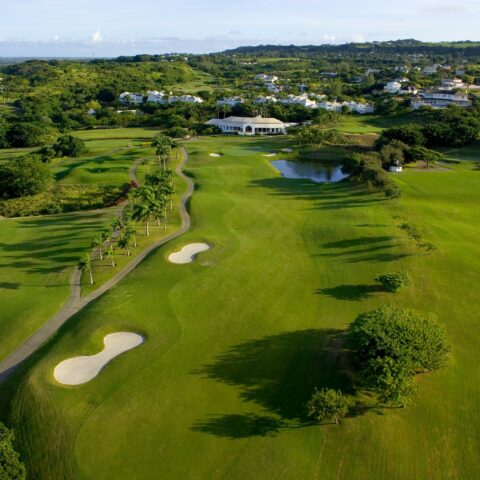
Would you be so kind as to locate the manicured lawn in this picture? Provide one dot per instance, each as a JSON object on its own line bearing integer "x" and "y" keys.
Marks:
{"x": 237, "y": 340}
{"x": 36, "y": 259}
{"x": 107, "y": 162}
{"x": 109, "y": 133}
{"x": 103, "y": 269}
{"x": 370, "y": 123}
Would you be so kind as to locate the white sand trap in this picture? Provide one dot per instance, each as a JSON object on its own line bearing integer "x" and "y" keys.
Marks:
{"x": 269, "y": 155}
{"x": 78, "y": 370}
{"x": 215, "y": 154}
{"x": 188, "y": 252}
{"x": 287, "y": 150}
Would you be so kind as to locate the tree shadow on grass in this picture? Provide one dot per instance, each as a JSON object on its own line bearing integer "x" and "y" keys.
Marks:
{"x": 350, "y": 292}
{"x": 278, "y": 373}
{"x": 10, "y": 285}
{"x": 240, "y": 425}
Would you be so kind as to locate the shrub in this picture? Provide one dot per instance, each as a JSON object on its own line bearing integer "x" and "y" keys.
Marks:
{"x": 24, "y": 176}
{"x": 10, "y": 466}
{"x": 392, "y": 282}
{"x": 327, "y": 404}
{"x": 69, "y": 146}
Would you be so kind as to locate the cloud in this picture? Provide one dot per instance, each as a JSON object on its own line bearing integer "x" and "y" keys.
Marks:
{"x": 96, "y": 37}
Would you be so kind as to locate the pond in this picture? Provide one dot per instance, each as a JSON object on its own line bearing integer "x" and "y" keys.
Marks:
{"x": 314, "y": 171}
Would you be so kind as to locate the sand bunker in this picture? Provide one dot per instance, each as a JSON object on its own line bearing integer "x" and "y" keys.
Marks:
{"x": 188, "y": 252}
{"x": 287, "y": 150}
{"x": 78, "y": 370}
{"x": 269, "y": 155}
{"x": 215, "y": 154}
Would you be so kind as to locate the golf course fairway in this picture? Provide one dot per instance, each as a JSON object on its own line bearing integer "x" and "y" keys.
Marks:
{"x": 236, "y": 344}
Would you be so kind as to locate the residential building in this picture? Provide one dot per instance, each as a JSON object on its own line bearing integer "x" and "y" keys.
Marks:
{"x": 230, "y": 101}
{"x": 392, "y": 87}
{"x": 268, "y": 99}
{"x": 249, "y": 125}
{"x": 266, "y": 78}
{"x": 430, "y": 70}
{"x": 185, "y": 98}
{"x": 452, "y": 83}
{"x": 134, "y": 98}
{"x": 440, "y": 99}
{"x": 408, "y": 90}
{"x": 156, "y": 96}
{"x": 299, "y": 100}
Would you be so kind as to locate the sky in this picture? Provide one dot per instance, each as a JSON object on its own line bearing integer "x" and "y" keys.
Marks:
{"x": 99, "y": 28}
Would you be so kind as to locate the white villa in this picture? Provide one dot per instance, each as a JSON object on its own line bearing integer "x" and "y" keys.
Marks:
{"x": 452, "y": 83}
{"x": 261, "y": 99}
{"x": 230, "y": 101}
{"x": 396, "y": 167}
{"x": 249, "y": 125}
{"x": 393, "y": 87}
{"x": 135, "y": 98}
{"x": 440, "y": 99}
{"x": 430, "y": 70}
{"x": 266, "y": 78}
{"x": 360, "y": 108}
{"x": 299, "y": 100}
{"x": 185, "y": 98}
{"x": 155, "y": 96}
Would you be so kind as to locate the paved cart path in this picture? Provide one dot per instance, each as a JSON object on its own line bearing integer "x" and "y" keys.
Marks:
{"x": 75, "y": 301}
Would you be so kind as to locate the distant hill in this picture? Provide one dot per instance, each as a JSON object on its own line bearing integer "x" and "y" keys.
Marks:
{"x": 408, "y": 46}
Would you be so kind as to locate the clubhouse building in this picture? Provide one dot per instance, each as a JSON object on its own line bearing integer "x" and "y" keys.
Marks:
{"x": 249, "y": 125}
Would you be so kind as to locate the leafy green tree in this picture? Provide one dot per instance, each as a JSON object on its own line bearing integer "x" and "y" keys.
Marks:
{"x": 11, "y": 468}
{"x": 30, "y": 134}
{"x": 401, "y": 334}
{"x": 69, "y": 146}
{"x": 408, "y": 134}
{"x": 4, "y": 127}
{"x": 391, "y": 379}
{"x": 328, "y": 404}
{"x": 24, "y": 176}
{"x": 392, "y": 282}
{"x": 426, "y": 155}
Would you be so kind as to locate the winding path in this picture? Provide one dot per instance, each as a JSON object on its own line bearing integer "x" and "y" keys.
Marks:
{"x": 76, "y": 302}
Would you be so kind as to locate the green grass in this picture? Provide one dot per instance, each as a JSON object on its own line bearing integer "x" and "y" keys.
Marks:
{"x": 103, "y": 269}
{"x": 122, "y": 133}
{"x": 368, "y": 124}
{"x": 237, "y": 340}
{"x": 107, "y": 162}
{"x": 36, "y": 259}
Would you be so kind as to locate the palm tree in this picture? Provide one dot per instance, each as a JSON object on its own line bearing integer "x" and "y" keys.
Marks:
{"x": 97, "y": 244}
{"x": 169, "y": 186}
{"x": 163, "y": 149}
{"x": 131, "y": 231}
{"x": 86, "y": 265}
{"x": 160, "y": 211}
{"x": 125, "y": 243}
{"x": 143, "y": 212}
{"x": 111, "y": 255}
{"x": 106, "y": 235}
{"x": 117, "y": 225}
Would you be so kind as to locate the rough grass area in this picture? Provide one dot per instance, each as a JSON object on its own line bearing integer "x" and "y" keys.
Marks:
{"x": 63, "y": 199}
{"x": 238, "y": 339}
